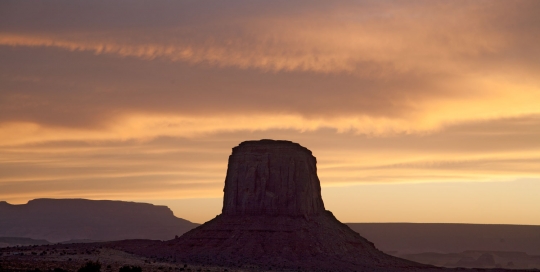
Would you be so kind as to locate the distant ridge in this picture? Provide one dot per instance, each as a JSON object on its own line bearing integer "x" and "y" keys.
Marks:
{"x": 21, "y": 241}
{"x": 60, "y": 220}
{"x": 411, "y": 238}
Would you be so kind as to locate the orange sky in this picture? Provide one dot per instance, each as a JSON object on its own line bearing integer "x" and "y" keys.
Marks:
{"x": 417, "y": 111}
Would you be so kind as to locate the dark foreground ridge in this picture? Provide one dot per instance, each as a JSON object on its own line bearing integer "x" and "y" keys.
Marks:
{"x": 273, "y": 217}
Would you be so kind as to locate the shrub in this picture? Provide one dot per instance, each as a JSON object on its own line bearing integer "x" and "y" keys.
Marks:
{"x": 129, "y": 268}
{"x": 91, "y": 267}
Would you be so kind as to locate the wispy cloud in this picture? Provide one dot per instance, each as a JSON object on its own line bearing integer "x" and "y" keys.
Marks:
{"x": 431, "y": 38}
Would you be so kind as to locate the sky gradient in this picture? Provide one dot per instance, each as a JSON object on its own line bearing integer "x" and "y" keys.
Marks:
{"x": 417, "y": 111}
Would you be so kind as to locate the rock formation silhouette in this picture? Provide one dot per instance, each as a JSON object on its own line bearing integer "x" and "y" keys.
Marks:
{"x": 272, "y": 178}
{"x": 273, "y": 217}
{"x": 61, "y": 220}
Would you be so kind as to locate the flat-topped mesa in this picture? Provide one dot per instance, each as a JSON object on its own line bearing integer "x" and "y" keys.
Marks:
{"x": 270, "y": 177}
{"x": 274, "y": 218}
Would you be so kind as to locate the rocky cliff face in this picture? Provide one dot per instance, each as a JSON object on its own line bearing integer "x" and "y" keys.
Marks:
{"x": 272, "y": 178}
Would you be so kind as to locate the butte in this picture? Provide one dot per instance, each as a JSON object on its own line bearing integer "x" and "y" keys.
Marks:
{"x": 273, "y": 218}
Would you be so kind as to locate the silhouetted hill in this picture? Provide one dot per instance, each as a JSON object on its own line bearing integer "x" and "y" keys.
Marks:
{"x": 412, "y": 238}
{"x": 21, "y": 241}
{"x": 58, "y": 220}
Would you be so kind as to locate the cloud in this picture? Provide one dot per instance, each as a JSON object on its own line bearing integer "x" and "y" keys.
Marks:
{"x": 147, "y": 127}
{"x": 405, "y": 66}
{"x": 364, "y": 38}
{"x": 463, "y": 152}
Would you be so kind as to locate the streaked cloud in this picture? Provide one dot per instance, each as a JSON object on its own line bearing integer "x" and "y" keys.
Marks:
{"x": 405, "y": 66}
{"x": 392, "y": 36}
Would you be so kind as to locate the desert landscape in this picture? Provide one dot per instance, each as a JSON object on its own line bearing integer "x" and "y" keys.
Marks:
{"x": 273, "y": 218}
{"x": 442, "y": 248}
